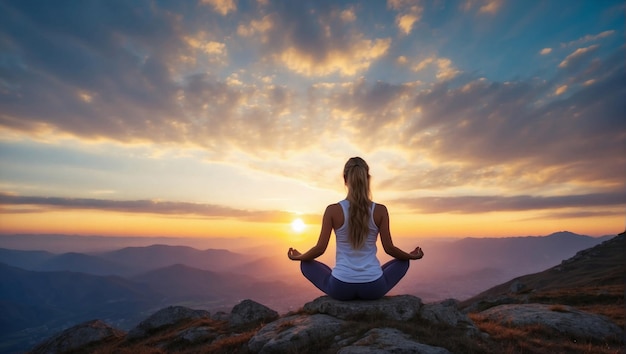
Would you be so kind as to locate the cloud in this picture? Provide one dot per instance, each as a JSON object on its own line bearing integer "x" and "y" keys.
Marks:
{"x": 20, "y": 204}
{"x": 260, "y": 26}
{"x": 578, "y": 56}
{"x": 313, "y": 46}
{"x": 357, "y": 58}
{"x": 292, "y": 86}
{"x": 409, "y": 13}
{"x": 588, "y": 38}
{"x": 444, "y": 69}
{"x": 486, "y": 204}
{"x": 484, "y": 6}
{"x": 223, "y": 7}
{"x": 545, "y": 51}
{"x": 490, "y": 6}
{"x": 560, "y": 90}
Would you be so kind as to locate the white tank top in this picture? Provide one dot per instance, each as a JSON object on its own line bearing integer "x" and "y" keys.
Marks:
{"x": 356, "y": 266}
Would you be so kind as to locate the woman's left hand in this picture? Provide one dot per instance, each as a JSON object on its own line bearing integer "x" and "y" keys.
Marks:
{"x": 294, "y": 254}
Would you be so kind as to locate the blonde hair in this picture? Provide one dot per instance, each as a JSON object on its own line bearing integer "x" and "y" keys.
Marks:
{"x": 357, "y": 177}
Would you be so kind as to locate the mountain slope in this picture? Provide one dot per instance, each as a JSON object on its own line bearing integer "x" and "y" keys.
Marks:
{"x": 600, "y": 267}
{"x": 64, "y": 296}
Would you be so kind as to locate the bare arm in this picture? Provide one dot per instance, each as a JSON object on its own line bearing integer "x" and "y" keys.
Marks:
{"x": 382, "y": 218}
{"x": 322, "y": 241}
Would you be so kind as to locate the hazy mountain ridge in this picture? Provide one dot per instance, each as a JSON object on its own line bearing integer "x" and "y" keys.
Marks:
{"x": 158, "y": 256}
{"x": 73, "y": 261}
{"x": 176, "y": 280}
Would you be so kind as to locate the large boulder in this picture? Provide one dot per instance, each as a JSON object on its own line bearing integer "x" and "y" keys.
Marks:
{"x": 389, "y": 340}
{"x": 294, "y": 334}
{"x": 248, "y": 313}
{"x": 164, "y": 318}
{"x": 79, "y": 336}
{"x": 564, "y": 319}
{"x": 399, "y": 308}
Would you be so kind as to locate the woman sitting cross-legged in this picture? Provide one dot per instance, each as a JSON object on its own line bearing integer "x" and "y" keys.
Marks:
{"x": 357, "y": 222}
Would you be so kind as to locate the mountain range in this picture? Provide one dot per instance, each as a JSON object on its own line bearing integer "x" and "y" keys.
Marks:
{"x": 42, "y": 292}
{"x": 576, "y": 306}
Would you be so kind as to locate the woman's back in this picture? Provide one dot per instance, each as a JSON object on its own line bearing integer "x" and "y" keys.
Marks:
{"x": 356, "y": 265}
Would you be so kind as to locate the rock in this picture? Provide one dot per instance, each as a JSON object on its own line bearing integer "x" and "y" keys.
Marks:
{"x": 220, "y": 316}
{"x": 389, "y": 340}
{"x": 294, "y": 334}
{"x": 78, "y": 336}
{"x": 564, "y": 319}
{"x": 198, "y": 334}
{"x": 447, "y": 312}
{"x": 399, "y": 308}
{"x": 516, "y": 286}
{"x": 248, "y": 313}
{"x": 481, "y": 305}
{"x": 165, "y": 317}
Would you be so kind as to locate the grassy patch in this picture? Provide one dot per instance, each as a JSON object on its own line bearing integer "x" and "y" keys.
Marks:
{"x": 539, "y": 339}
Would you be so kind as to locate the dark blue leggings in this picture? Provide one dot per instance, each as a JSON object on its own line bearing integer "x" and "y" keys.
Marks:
{"x": 320, "y": 275}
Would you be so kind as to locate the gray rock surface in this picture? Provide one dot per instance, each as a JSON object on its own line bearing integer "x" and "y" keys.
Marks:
{"x": 198, "y": 334}
{"x": 293, "y": 334}
{"x": 389, "y": 340}
{"x": 564, "y": 319}
{"x": 165, "y": 317}
{"x": 447, "y": 312}
{"x": 78, "y": 336}
{"x": 249, "y": 312}
{"x": 400, "y": 308}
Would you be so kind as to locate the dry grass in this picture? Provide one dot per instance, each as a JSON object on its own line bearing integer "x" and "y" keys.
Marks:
{"x": 607, "y": 300}
{"x": 538, "y": 339}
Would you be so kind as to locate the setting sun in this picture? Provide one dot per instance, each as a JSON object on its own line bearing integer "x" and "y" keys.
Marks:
{"x": 298, "y": 225}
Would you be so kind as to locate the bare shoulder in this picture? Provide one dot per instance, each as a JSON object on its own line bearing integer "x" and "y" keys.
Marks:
{"x": 334, "y": 210}
{"x": 334, "y": 213}
{"x": 380, "y": 214}
{"x": 380, "y": 209}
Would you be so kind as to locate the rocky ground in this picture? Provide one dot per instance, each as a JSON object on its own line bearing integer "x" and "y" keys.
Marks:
{"x": 395, "y": 324}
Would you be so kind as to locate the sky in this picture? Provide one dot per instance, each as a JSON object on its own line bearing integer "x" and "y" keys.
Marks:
{"x": 220, "y": 118}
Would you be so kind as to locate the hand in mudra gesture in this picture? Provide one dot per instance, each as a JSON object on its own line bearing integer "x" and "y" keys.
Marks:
{"x": 417, "y": 253}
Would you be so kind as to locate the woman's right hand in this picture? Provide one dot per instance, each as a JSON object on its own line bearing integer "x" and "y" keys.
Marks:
{"x": 417, "y": 253}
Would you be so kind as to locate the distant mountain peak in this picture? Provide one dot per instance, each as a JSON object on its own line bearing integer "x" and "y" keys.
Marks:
{"x": 564, "y": 234}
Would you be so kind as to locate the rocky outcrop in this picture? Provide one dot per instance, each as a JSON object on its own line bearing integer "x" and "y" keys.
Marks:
{"x": 163, "y": 318}
{"x": 399, "y": 308}
{"x": 394, "y": 324}
{"x": 564, "y": 319}
{"x": 389, "y": 340}
{"x": 328, "y": 322}
{"x": 248, "y": 313}
{"x": 293, "y": 334}
{"x": 79, "y": 336}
